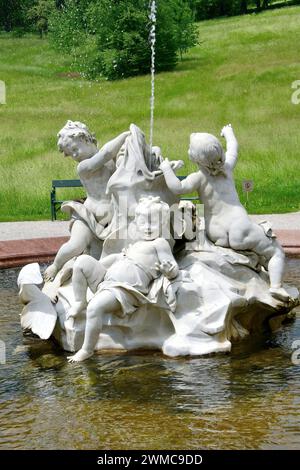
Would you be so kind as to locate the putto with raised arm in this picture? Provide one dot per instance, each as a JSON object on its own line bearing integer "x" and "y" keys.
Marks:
{"x": 227, "y": 223}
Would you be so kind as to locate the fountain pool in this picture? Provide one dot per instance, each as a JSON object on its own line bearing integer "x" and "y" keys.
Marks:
{"x": 248, "y": 399}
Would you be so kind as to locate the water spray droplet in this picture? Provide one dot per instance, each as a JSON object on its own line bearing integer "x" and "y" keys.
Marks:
{"x": 152, "y": 39}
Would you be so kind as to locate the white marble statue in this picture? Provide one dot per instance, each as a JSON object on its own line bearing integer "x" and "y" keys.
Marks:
{"x": 172, "y": 287}
{"x": 227, "y": 223}
{"x": 122, "y": 281}
{"x": 95, "y": 167}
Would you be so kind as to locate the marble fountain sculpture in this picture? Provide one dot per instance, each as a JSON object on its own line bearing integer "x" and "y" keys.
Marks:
{"x": 144, "y": 270}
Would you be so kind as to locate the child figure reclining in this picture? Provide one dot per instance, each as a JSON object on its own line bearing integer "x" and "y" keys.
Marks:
{"x": 227, "y": 223}
{"x": 122, "y": 281}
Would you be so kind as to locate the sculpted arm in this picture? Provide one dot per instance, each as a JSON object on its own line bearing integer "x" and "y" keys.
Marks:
{"x": 106, "y": 153}
{"x": 188, "y": 185}
{"x": 232, "y": 146}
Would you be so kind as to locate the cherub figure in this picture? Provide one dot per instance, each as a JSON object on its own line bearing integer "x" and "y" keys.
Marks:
{"x": 227, "y": 223}
{"x": 95, "y": 167}
{"x": 122, "y": 281}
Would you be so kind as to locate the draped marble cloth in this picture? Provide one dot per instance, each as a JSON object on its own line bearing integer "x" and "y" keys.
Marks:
{"x": 134, "y": 176}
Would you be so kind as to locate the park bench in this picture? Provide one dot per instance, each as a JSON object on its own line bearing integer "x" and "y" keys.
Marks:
{"x": 56, "y": 203}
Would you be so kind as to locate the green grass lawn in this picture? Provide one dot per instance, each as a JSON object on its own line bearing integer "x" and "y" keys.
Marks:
{"x": 241, "y": 73}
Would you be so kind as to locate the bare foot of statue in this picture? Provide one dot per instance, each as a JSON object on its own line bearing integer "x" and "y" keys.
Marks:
{"x": 279, "y": 293}
{"x": 76, "y": 309}
{"x": 80, "y": 356}
{"x": 50, "y": 273}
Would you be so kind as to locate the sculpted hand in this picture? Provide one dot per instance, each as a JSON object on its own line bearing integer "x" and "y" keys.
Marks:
{"x": 165, "y": 165}
{"x": 167, "y": 268}
{"x": 50, "y": 273}
{"x": 76, "y": 308}
{"x": 227, "y": 130}
{"x": 176, "y": 164}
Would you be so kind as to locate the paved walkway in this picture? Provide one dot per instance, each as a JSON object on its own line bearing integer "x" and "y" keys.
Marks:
{"x": 48, "y": 229}
{"x": 289, "y": 221}
{"x": 29, "y": 230}
{"x": 25, "y": 242}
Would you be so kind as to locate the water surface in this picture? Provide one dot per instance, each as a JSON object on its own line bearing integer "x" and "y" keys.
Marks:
{"x": 248, "y": 399}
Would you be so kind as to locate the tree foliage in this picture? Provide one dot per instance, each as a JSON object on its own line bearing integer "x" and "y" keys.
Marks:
{"x": 110, "y": 38}
{"x": 13, "y": 14}
{"x": 28, "y": 15}
{"x": 39, "y": 14}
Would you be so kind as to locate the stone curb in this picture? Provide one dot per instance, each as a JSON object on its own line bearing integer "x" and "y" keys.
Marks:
{"x": 15, "y": 253}
{"x": 290, "y": 240}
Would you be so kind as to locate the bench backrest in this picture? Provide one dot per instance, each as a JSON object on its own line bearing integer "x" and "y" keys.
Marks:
{"x": 66, "y": 184}
{"x": 77, "y": 183}
{"x": 55, "y": 204}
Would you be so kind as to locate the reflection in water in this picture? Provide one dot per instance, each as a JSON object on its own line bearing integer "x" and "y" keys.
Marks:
{"x": 248, "y": 399}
